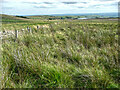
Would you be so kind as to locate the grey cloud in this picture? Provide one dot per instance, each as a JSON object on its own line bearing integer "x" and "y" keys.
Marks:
{"x": 47, "y": 2}
{"x": 84, "y": 2}
{"x": 38, "y": 3}
{"x": 42, "y": 7}
{"x": 31, "y": 2}
{"x": 80, "y": 7}
{"x": 96, "y": 5}
{"x": 69, "y": 2}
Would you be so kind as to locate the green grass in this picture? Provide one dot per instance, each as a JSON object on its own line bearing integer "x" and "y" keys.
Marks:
{"x": 65, "y": 55}
{"x": 15, "y": 22}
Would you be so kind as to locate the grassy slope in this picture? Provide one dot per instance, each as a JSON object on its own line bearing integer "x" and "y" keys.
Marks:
{"x": 12, "y": 22}
{"x": 67, "y": 54}
{"x": 10, "y": 19}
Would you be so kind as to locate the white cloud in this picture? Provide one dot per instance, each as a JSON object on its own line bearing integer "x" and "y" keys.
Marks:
{"x": 57, "y": 6}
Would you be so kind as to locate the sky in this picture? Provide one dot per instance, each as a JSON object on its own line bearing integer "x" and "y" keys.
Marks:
{"x": 48, "y": 7}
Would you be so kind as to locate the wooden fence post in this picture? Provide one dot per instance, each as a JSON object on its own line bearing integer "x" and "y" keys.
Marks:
{"x": 16, "y": 34}
{"x": 37, "y": 27}
{"x": 29, "y": 29}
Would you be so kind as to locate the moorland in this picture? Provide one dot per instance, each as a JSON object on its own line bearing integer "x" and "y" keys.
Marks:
{"x": 59, "y": 52}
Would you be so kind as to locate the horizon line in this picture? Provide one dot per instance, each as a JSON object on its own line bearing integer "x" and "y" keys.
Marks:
{"x": 60, "y": 14}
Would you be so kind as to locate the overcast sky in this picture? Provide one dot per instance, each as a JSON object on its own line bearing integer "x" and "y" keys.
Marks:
{"x": 44, "y": 7}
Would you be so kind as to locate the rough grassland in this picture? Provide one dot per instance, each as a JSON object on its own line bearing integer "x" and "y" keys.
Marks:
{"x": 70, "y": 53}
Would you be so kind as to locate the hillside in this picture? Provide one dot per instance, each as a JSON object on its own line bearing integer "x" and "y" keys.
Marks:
{"x": 12, "y": 19}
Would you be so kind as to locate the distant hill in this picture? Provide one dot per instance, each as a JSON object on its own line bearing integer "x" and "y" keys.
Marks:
{"x": 10, "y": 19}
{"x": 73, "y": 16}
{"x": 13, "y": 17}
{"x": 89, "y": 14}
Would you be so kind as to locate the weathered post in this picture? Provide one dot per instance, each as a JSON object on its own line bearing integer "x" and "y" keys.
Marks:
{"x": 37, "y": 27}
{"x": 16, "y": 34}
{"x": 29, "y": 29}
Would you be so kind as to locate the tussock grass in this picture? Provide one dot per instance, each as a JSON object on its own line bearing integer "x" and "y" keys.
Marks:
{"x": 70, "y": 54}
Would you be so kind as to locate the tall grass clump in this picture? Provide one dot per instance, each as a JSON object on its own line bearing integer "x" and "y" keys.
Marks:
{"x": 66, "y": 54}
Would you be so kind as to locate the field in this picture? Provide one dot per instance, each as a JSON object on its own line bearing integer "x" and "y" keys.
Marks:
{"x": 60, "y": 53}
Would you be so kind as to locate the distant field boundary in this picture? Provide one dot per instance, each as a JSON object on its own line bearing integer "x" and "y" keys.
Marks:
{"x": 16, "y": 32}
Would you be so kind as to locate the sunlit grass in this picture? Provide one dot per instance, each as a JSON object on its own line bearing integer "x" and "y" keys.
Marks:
{"x": 65, "y": 54}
